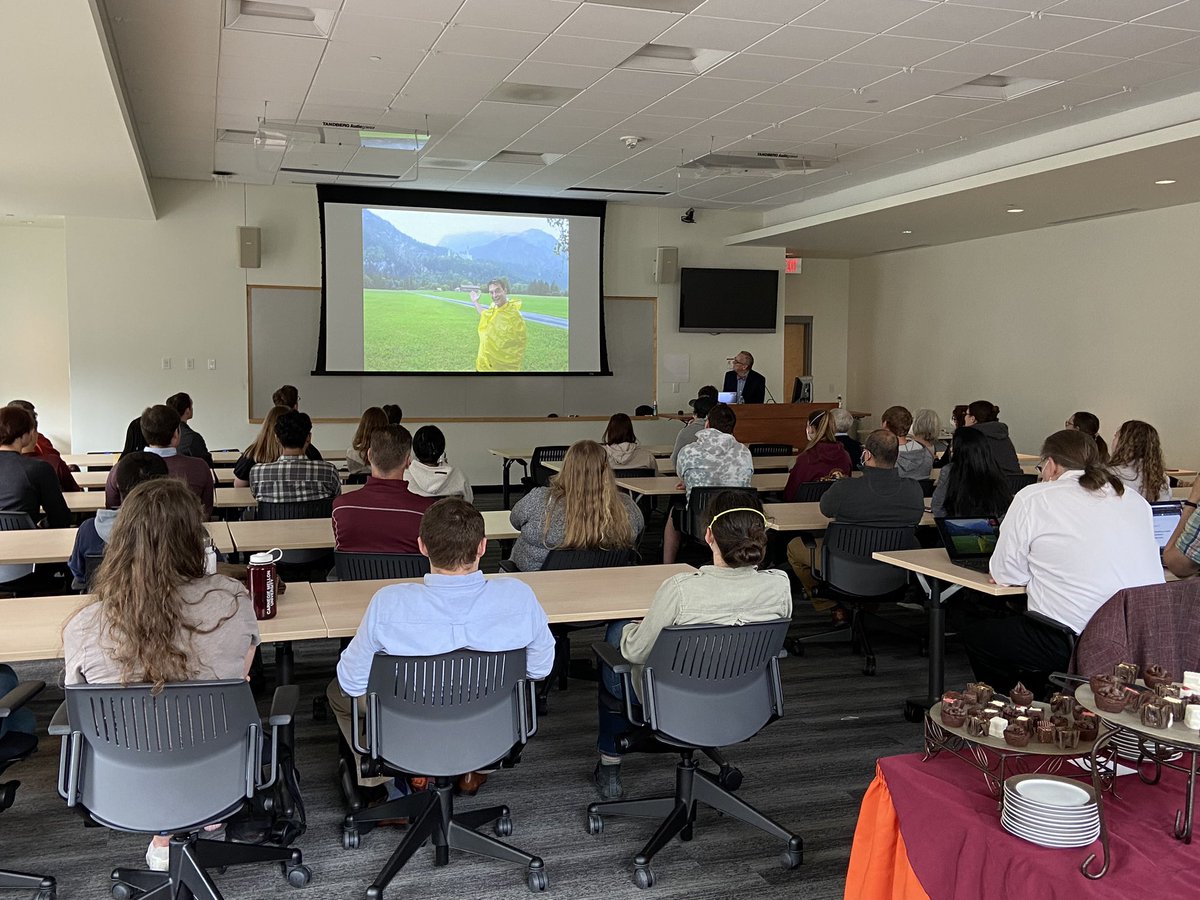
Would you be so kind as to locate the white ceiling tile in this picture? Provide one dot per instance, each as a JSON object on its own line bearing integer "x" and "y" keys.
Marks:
{"x": 556, "y": 74}
{"x": 430, "y": 10}
{"x": 386, "y": 35}
{"x": 902, "y": 123}
{"x": 753, "y": 67}
{"x": 1059, "y": 65}
{"x": 476, "y": 41}
{"x": 524, "y": 15}
{"x": 869, "y": 101}
{"x": 1131, "y": 40}
{"x": 981, "y": 59}
{"x": 801, "y": 96}
{"x": 915, "y": 84}
{"x": 1047, "y": 33}
{"x": 237, "y": 113}
{"x": 892, "y": 50}
{"x": 799, "y": 42}
{"x": 1135, "y": 73}
{"x": 616, "y": 23}
{"x": 1185, "y": 15}
{"x": 610, "y": 101}
{"x": 1186, "y": 53}
{"x": 653, "y": 84}
{"x": 778, "y": 11}
{"x": 714, "y": 34}
{"x": 261, "y": 89}
{"x": 421, "y": 102}
{"x": 576, "y": 116}
{"x": 363, "y": 115}
{"x": 400, "y": 120}
{"x": 1113, "y": 10}
{"x": 581, "y": 51}
{"x": 843, "y": 75}
{"x": 297, "y": 73}
{"x": 946, "y": 107}
{"x": 649, "y": 126}
{"x": 863, "y": 15}
{"x": 831, "y": 118}
{"x": 951, "y": 22}
{"x": 450, "y": 68}
{"x": 258, "y": 45}
{"x": 345, "y": 58}
{"x": 958, "y": 127}
{"x": 757, "y": 114}
{"x": 324, "y": 96}
{"x": 711, "y": 87}
{"x": 1019, "y": 5}
{"x": 690, "y": 107}
{"x": 357, "y": 75}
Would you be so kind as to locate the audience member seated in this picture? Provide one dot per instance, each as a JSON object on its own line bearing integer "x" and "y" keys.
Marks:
{"x": 27, "y": 484}
{"x": 19, "y": 720}
{"x": 582, "y": 509}
{"x": 927, "y": 431}
{"x": 155, "y": 617}
{"x": 265, "y": 448}
{"x": 454, "y": 608}
{"x": 1073, "y": 540}
{"x": 383, "y": 516}
{"x": 914, "y": 460}
{"x": 293, "y": 478}
{"x": 94, "y": 533}
{"x": 395, "y": 415}
{"x": 843, "y": 421}
{"x": 1089, "y": 423}
{"x": 982, "y": 415}
{"x": 1182, "y": 552}
{"x": 430, "y": 475}
{"x": 135, "y": 441}
{"x": 644, "y": 409}
{"x": 191, "y": 442}
{"x": 1137, "y": 459}
{"x": 971, "y": 485}
{"x": 823, "y": 458}
{"x": 701, "y": 407}
{"x": 732, "y": 591}
{"x": 356, "y": 454}
{"x": 44, "y": 450}
{"x": 622, "y": 446}
{"x": 160, "y": 425}
{"x": 289, "y": 396}
{"x": 880, "y": 497}
{"x": 714, "y": 459}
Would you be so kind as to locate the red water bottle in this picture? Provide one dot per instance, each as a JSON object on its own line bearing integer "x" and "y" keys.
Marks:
{"x": 262, "y": 579}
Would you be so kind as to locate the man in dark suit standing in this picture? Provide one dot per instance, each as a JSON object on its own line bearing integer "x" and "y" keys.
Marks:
{"x": 750, "y": 386}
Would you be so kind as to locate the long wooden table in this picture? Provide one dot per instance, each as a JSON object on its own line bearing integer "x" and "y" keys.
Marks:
{"x": 522, "y": 455}
{"x": 317, "y": 534}
{"x": 572, "y": 595}
{"x": 54, "y": 545}
{"x": 670, "y": 485}
{"x": 92, "y": 501}
{"x": 761, "y": 464}
{"x": 94, "y": 479}
{"x": 33, "y": 625}
{"x": 108, "y": 460}
{"x": 806, "y": 517}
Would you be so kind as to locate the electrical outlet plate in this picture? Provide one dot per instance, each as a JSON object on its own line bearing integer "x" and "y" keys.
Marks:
{"x": 190, "y": 364}
{"x": 166, "y": 362}
{"x": 212, "y": 364}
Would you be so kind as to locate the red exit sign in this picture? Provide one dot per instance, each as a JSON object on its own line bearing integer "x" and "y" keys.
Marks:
{"x": 793, "y": 265}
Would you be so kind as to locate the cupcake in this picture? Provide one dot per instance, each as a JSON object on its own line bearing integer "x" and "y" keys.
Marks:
{"x": 951, "y": 696}
{"x": 1112, "y": 699}
{"x": 954, "y": 715}
{"x": 970, "y": 697}
{"x": 1096, "y": 682}
{"x": 1016, "y": 735}
{"x": 1156, "y": 675}
{"x": 1020, "y": 695}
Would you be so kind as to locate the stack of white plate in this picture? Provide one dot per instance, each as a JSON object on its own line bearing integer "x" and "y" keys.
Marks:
{"x": 1126, "y": 743}
{"x": 1050, "y": 811}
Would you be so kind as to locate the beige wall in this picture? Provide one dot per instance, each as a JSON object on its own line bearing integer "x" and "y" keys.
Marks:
{"x": 1098, "y": 315}
{"x": 33, "y": 301}
{"x": 822, "y": 290}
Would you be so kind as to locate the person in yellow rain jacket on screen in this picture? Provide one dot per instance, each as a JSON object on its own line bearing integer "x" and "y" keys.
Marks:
{"x": 501, "y": 331}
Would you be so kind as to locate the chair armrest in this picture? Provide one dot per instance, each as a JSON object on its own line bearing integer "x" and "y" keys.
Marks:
{"x": 283, "y": 705}
{"x": 19, "y": 696}
{"x": 611, "y": 657}
{"x": 59, "y": 725}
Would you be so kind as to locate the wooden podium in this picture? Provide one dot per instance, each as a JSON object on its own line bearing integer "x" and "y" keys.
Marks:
{"x": 775, "y": 423}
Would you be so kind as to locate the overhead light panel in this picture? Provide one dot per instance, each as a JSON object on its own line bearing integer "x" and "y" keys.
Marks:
{"x": 998, "y": 87}
{"x": 310, "y": 18}
{"x": 1166, "y": 181}
{"x": 678, "y": 60}
{"x": 1015, "y": 209}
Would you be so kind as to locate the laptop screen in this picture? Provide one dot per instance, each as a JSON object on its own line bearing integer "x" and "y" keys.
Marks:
{"x": 727, "y": 397}
{"x": 1165, "y": 516}
{"x": 969, "y": 538}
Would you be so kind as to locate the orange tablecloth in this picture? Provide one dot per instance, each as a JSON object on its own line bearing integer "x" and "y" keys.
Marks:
{"x": 879, "y": 866}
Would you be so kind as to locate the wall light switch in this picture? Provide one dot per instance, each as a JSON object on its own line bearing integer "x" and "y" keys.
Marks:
{"x": 166, "y": 362}
{"x": 674, "y": 387}
{"x": 212, "y": 364}
{"x": 190, "y": 364}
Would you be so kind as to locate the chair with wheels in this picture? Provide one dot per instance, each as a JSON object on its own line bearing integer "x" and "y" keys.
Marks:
{"x": 373, "y": 566}
{"x": 539, "y": 475}
{"x": 812, "y": 491}
{"x": 703, "y": 687}
{"x": 14, "y": 747}
{"x": 848, "y": 575}
{"x": 440, "y": 716}
{"x": 172, "y": 762}
{"x": 757, "y": 450}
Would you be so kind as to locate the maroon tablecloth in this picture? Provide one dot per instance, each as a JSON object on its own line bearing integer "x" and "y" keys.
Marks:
{"x": 957, "y": 848}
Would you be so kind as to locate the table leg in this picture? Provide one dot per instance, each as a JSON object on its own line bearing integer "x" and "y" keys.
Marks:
{"x": 285, "y": 665}
{"x": 1183, "y": 818}
{"x": 914, "y": 708}
{"x": 506, "y": 489}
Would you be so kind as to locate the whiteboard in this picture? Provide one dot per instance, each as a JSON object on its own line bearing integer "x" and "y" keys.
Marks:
{"x": 282, "y": 349}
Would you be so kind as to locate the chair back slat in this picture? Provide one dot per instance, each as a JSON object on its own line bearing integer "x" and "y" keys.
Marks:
{"x": 376, "y": 566}
{"x": 585, "y": 559}
{"x": 772, "y": 450}
{"x": 696, "y": 520}
{"x": 540, "y": 474}
{"x": 15, "y": 521}
{"x": 846, "y": 563}
{"x": 295, "y": 509}
{"x": 812, "y": 491}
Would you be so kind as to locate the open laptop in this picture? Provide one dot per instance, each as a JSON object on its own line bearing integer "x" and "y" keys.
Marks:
{"x": 969, "y": 542}
{"x": 727, "y": 396}
{"x": 1165, "y": 515}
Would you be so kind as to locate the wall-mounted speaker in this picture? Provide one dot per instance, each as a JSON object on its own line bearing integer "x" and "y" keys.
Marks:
{"x": 666, "y": 265}
{"x": 249, "y": 247}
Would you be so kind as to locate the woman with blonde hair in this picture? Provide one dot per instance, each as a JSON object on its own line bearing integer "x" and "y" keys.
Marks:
{"x": 265, "y": 449}
{"x": 356, "y": 454}
{"x": 155, "y": 617}
{"x": 823, "y": 458}
{"x": 1137, "y": 459}
{"x": 580, "y": 510}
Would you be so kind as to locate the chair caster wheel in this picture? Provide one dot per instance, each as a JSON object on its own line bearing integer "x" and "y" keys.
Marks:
{"x": 298, "y": 876}
{"x": 791, "y": 859}
{"x": 350, "y": 839}
{"x": 869, "y": 667}
{"x": 643, "y": 877}
{"x": 503, "y": 826}
{"x": 730, "y": 778}
{"x": 122, "y": 891}
{"x": 595, "y": 823}
{"x": 537, "y": 880}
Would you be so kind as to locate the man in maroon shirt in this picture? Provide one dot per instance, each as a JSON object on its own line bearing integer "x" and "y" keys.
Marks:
{"x": 160, "y": 427}
{"x": 44, "y": 450}
{"x": 384, "y": 516}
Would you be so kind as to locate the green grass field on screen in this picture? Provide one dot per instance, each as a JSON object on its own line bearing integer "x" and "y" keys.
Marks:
{"x": 415, "y": 331}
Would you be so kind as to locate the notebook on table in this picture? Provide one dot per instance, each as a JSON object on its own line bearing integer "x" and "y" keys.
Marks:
{"x": 969, "y": 541}
{"x": 1165, "y": 515}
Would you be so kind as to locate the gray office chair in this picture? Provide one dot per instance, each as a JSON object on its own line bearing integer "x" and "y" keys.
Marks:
{"x": 703, "y": 687}
{"x": 812, "y": 491}
{"x": 14, "y": 747}
{"x": 441, "y": 716}
{"x": 539, "y": 475}
{"x": 15, "y": 521}
{"x": 757, "y": 450}
{"x": 373, "y": 566}
{"x": 305, "y": 560}
{"x": 171, "y": 763}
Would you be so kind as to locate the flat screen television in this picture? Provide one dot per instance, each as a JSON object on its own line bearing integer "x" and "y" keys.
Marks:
{"x": 738, "y": 300}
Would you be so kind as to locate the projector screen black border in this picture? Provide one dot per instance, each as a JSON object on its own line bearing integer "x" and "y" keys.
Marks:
{"x": 460, "y": 200}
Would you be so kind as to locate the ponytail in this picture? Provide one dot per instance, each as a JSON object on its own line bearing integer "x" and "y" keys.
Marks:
{"x": 1078, "y": 450}
{"x": 1095, "y": 476}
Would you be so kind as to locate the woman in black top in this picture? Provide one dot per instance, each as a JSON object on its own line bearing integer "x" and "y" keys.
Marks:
{"x": 27, "y": 484}
{"x": 972, "y": 485}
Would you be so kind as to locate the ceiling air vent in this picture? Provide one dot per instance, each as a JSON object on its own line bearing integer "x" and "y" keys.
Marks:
{"x": 669, "y": 58}
{"x": 523, "y": 158}
{"x": 312, "y": 18}
{"x": 677, "y": 6}
{"x": 998, "y": 87}
{"x": 763, "y": 163}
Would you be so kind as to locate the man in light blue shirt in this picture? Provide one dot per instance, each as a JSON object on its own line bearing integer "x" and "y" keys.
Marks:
{"x": 454, "y": 608}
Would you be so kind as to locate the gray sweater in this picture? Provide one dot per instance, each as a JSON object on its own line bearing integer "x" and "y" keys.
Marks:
{"x": 529, "y": 517}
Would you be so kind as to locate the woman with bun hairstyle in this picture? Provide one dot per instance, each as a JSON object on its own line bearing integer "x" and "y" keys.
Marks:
{"x": 731, "y": 591}
{"x": 1089, "y": 424}
{"x": 982, "y": 414}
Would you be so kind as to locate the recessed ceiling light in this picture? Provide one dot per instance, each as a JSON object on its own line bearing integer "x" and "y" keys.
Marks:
{"x": 906, "y": 231}
{"x": 1166, "y": 181}
{"x": 27, "y": 222}
{"x": 1015, "y": 209}
{"x": 374, "y": 58}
